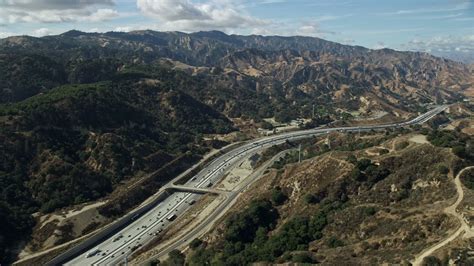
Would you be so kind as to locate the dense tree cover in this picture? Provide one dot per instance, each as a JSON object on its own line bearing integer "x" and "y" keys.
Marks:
{"x": 75, "y": 143}
{"x": 22, "y": 76}
{"x": 247, "y": 240}
{"x": 462, "y": 145}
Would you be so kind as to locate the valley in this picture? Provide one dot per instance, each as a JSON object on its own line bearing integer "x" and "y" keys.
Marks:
{"x": 182, "y": 138}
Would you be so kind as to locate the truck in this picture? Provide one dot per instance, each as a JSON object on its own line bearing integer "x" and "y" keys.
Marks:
{"x": 171, "y": 217}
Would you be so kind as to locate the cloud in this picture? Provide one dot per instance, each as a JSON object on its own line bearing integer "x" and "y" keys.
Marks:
{"x": 53, "y": 11}
{"x": 458, "y": 7}
{"x": 42, "y": 32}
{"x": 312, "y": 29}
{"x": 124, "y": 29}
{"x": 443, "y": 44}
{"x": 187, "y": 15}
{"x": 52, "y": 4}
{"x": 4, "y": 34}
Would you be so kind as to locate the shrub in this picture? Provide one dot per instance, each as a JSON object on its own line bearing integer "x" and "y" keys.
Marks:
{"x": 468, "y": 179}
{"x": 401, "y": 145}
{"x": 302, "y": 258}
{"x": 369, "y": 211}
{"x": 352, "y": 159}
{"x": 431, "y": 261}
{"x": 195, "y": 243}
{"x": 175, "y": 258}
{"x": 334, "y": 242}
{"x": 311, "y": 199}
{"x": 443, "y": 169}
{"x": 278, "y": 197}
{"x": 363, "y": 164}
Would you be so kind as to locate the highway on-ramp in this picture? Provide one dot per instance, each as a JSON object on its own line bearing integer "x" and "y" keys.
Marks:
{"x": 141, "y": 230}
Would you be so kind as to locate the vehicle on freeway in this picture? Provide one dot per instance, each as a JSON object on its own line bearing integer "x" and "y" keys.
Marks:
{"x": 92, "y": 253}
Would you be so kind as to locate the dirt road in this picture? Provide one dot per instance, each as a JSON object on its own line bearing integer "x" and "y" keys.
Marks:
{"x": 451, "y": 210}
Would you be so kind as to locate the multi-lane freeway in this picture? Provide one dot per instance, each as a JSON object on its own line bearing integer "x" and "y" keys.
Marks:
{"x": 145, "y": 228}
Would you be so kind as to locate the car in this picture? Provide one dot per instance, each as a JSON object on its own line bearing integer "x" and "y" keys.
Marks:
{"x": 92, "y": 253}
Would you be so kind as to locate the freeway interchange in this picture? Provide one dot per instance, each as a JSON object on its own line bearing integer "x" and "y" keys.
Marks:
{"x": 143, "y": 229}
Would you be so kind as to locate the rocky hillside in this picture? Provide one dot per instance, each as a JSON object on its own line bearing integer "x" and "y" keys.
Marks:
{"x": 376, "y": 199}
{"x": 82, "y": 113}
{"x": 282, "y": 71}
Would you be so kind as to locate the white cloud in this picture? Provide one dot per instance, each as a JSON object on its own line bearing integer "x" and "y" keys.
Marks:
{"x": 4, "y": 34}
{"x": 458, "y": 7}
{"x": 54, "y": 11}
{"x": 52, "y": 4}
{"x": 187, "y": 15}
{"x": 42, "y": 32}
{"x": 463, "y": 44}
{"x": 103, "y": 14}
{"x": 93, "y": 30}
{"x": 124, "y": 29}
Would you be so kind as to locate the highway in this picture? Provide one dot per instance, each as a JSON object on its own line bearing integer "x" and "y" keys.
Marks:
{"x": 145, "y": 228}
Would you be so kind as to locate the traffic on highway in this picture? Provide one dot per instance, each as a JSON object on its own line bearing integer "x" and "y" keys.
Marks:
{"x": 147, "y": 227}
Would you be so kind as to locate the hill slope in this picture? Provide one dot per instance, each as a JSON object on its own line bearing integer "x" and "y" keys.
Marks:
{"x": 298, "y": 70}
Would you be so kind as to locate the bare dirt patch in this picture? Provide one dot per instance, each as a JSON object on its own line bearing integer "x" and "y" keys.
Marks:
{"x": 420, "y": 139}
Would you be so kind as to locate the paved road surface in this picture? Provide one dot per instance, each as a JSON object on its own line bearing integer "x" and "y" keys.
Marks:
{"x": 143, "y": 229}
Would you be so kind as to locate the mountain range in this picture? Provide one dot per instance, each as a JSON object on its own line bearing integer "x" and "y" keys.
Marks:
{"x": 81, "y": 113}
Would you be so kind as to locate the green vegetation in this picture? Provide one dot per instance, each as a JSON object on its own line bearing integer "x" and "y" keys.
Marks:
{"x": 175, "y": 258}
{"x": 431, "y": 261}
{"x": 278, "y": 197}
{"x": 334, "y": 242}
{"x": 311, "y": 198}
{"x": 75, "y": 143}
{"x": 246, "y": 236}
{"x": 366, "y": 171}
{"x": 462, "y": 145}
{"x": 468, "y": 178}
{"x": 195, "y": 243}
{"x": 401, "y": 145}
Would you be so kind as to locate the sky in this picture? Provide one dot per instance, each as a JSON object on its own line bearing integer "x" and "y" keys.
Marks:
{"x": 437, "y": 26}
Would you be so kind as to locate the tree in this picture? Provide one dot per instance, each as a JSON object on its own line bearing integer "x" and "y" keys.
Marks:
{"x": 431, "y": 261}
{"x": 459, "y": 151}
{"x": 334, "y": 242}
{"x": 278, "y": 197}
{"x": 195, "y": 243}
{"x": 363, "y": 164}
{"x": 311, "y": 198}
{"x": 443, "y": 169}
{"x": 175, "y": 258}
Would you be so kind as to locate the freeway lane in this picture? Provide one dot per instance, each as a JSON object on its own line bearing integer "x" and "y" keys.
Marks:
{"x": 146, "y": 227}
